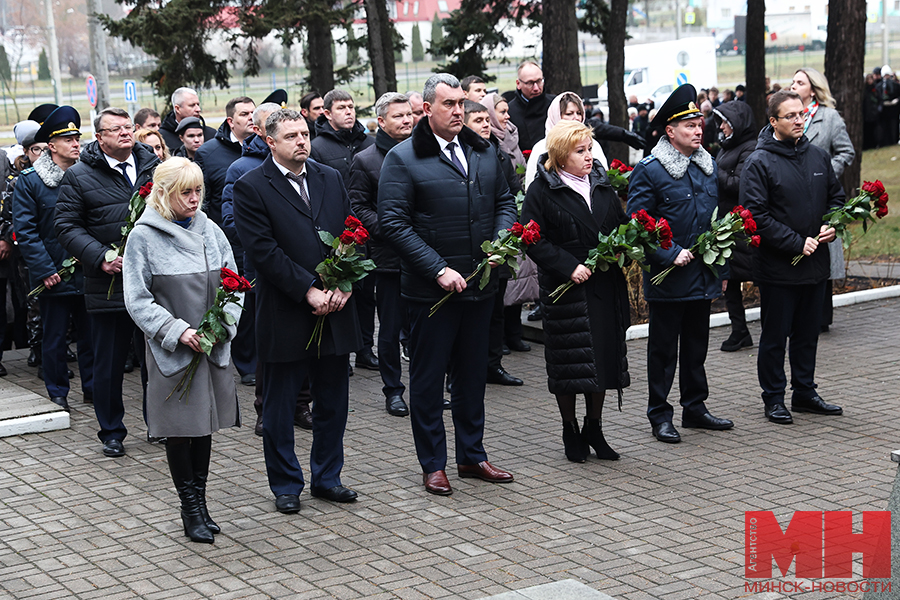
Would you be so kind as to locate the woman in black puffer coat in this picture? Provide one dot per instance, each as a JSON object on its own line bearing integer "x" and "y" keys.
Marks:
{"x": 737, "y": 138}
{"x": 584, "y": 331}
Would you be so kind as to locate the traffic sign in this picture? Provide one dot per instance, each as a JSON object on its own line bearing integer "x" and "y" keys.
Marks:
{"x": 131, "y": 91}
{"x": 91, "y": 85}
{"x": 681, "y": 77}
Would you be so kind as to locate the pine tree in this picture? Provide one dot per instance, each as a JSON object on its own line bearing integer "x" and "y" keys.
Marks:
{"x": 418, "y": 51}
{"x": 437, "y": 37}
{"x": 43, "y": 67}
{"x": 352, "y": 47}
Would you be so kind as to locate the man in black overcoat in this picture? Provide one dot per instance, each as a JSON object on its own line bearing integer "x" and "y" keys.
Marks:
{"x": 279, "y": 209}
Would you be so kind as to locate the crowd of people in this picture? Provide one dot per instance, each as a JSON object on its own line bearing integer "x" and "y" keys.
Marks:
{"x": 439, "y": 177}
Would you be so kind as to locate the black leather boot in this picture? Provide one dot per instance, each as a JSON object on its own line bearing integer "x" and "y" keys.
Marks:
{"x": 593, "y": 436}
{"x": 178, "y": 453}
{"x": 201, "y": 448}
{"x": 576, "y": 446}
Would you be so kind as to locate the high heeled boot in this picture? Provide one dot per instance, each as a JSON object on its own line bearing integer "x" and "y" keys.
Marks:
{"x": 593, "y": 436}
{"x": 576, "y": 447}
{"x": 179, "y": 457}
{"x": 201, "y": 448}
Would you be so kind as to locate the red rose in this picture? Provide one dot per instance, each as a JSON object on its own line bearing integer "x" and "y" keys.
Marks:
{"x": 145, "y": 189}
{"x": 737, "y": 209}
{"x": 347, "y": 238}
{"x": 245, "y": 286}
{"x": 361, "y": 235}
{"x": 530, "y": 236}
{"x": 228, "y": 273}
{"x": 664, "y": 233}
{"x": 615, "y": 164}
{"x": 876, "y": 188}
{"x": 749, "y": 225}
{"x": 746, "y": 214}
{"x": 352, "y": 223}
{"x": 881, "y": 212}
{"x": 625, "y": 169}
{"x": 645, "y": 220}
{"x": 231, "y": 284}
{"x": 755, "y": 240}
{"x": 517, "y": 229}
{"x": 533, "y": 226}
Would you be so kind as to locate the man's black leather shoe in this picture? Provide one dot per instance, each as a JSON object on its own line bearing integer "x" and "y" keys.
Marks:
{"x": 34, "y": 358}
{"x": 777, "y": 413}
{"x": 248, "y": 379}
{"x": 500, "y": 376}
{"x": 519, "y": 346}
{"x": 396, "y": 406}
{"x": 815, "y": 405}
{"x": 88, "y": 396}
{"x": 287, "y": 504}
{"x": 258, "y": 428}
{"x": 61, "y": 401}
{"x": 666, "y": 432}
{"x": 336, "y": 494}
{"x": 447, "y": 404}
{"x": 113, "y": 448}
{"x": 366, "y": 360}
{"x": 705, "y": 421}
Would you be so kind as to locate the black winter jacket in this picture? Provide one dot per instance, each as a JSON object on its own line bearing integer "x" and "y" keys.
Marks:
{"x": 729, "y": 165}
{"x": 365, "y": 171}
{"x": 90, "y": 212}
{"x": 253, "y": 154}
{"x": 529, "y": 116}
{"x": 435, "y": 217}
{"x": 337, "y": 148}
{"x": 214, "y": 157}
{"x": 788, "y": 188}
{"x": 167, "y": 129}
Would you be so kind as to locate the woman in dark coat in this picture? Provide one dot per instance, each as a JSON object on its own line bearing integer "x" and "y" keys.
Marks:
{"x": 584, "y": 331}
{"x": 737, "y": 140}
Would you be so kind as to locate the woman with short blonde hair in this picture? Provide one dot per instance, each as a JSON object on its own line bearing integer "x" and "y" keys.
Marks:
{"x": 159, "y": 146}
{"x": 562, "y": 139}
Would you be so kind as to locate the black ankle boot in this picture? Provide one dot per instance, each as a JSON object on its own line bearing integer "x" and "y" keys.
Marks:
{"x": 201, "y": 449}
{"x": 736, "y": 341}
{"x": 576, "y": 447}
{"x": 179, "y": 457}
{"x": 593, "y": 436}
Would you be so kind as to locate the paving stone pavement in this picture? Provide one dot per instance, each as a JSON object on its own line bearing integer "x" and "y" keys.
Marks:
{"x": 666, "y": 521}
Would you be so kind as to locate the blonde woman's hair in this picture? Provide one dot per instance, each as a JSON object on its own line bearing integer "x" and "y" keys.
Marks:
{"x": 169, "y": 178}
{"x": 562, "y": 139}
{"x": 141, "y": 135}
{"x": 819, "y": 86}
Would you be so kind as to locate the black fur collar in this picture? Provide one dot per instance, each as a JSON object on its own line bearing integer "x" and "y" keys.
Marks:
{"x": 425, "y": 144}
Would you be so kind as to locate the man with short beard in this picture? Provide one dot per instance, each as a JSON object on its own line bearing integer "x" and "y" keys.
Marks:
{"x": 33, "y": 209}
{"x": 677, "y": 182}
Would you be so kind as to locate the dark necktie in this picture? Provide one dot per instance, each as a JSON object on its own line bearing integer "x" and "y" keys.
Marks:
{"x": 299, "y": 180}
{"x": 124, "y": 168}
{"x": 451, "y": 147}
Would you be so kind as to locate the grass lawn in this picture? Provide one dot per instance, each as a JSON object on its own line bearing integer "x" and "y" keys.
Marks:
{"x": 882, "y": 241}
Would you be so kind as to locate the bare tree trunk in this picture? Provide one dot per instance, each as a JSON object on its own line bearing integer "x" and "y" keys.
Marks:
{"x": 844, "y": 68}
{"x": 380, "y": 45}
{"x": 321, "y": 62}
{"x": 560, "y": 35}
{"x": 756, "y": 60}
{"x": 615, "y": 73}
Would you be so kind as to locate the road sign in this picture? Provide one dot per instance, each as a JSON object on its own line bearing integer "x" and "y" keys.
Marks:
{"x": 91, "y": 85}
{"x": 131, "y": 91}
{"x": 681, "y": 77}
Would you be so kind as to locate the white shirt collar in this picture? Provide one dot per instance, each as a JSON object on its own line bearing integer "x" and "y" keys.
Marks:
{"x": 234, "y": 138}
{"x": 284, "y": 170}
{"x": 444, "y": 143}
{"x": 114, "y": 163}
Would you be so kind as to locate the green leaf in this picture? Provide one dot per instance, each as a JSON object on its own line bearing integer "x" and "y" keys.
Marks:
{"x": 206, "y": 345}
{"x": 326, "y": 237}
{"x": 485, "y": 278}
{"x": 111, "y": 255}
{"x": 345, "y": 286}
{"x": 709, "y": 257}
{"x": 229, "y": 319}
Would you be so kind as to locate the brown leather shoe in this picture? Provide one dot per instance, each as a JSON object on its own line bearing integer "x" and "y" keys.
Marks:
{"x": 485, "y": 471}
{"x": 303, "y": 416}
{"x": 436, "y": 483}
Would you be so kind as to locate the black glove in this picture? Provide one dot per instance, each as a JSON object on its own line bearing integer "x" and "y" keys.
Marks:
{"x": 634, "y": 140}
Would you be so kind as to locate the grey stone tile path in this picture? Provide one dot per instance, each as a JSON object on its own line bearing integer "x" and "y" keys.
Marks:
{"x": 663, "y": 522}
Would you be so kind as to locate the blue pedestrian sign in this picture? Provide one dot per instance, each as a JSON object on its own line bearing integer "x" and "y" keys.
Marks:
{"x": 681, "y": 78}
{"x": 91, "y": 88}
{"x": 131, "y": 91}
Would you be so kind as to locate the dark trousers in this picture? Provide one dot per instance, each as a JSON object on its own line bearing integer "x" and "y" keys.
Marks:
{"x": 282, "y": 382}
{"x": 243, "y": 346}
{"x": 111, "y": 333}
{"x": 673, "y": 324}
{"x": 512, "y": 323}
{"x": 457, "y": 334}
{"x": 495, "y": 335}
{"x": 364, "y": 292}
{"x": 56, "y": 311}
{"x": 734, "y": 302}
{"x": 391, "y": 315}
{"x": 793, "y": 311}
{"x": 828, "y": 303}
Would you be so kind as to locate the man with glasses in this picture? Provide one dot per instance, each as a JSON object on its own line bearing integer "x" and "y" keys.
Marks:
{"x": 788, "y": 184}
{"x": 528, "y": 109}
{"x": 92, "y": 207}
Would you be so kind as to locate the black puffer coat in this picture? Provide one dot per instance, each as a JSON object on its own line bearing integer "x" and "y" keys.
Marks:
{"x": 788, "y": 188}
{"x": 729, "y": 164}
{"x": 435, "y": 217}
{"x": 214, "y": 157}
{"x": 584, "y": 331}
{"x": 365, "y": 171}
{"x": 337, "y": 148}
{"x": 90, "y": 212}
{"x": 529, "y": 117}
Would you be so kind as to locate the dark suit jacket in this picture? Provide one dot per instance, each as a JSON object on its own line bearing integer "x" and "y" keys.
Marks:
{"x": 281, "y": 239}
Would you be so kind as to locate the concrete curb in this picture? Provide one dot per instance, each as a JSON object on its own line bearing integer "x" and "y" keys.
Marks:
{"x": 34, "y": 424}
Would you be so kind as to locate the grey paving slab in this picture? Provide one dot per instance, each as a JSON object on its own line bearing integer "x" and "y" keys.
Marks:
{"x": 567, "y": 589}
{"x": 662, "y": 522}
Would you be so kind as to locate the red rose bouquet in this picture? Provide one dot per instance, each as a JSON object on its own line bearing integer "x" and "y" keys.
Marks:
{"x": 211, "y": 329}
{"x": 618, "y": 175}
{"x": 343, "y": 267}
{"x": 716, "y": 245}
{"x": 871, "y": 199}
{"x": 65, "y": 272}
{"x": 504, "y": 250}
{"x": 136, "y": 207}
{"x": 637, "y": 238}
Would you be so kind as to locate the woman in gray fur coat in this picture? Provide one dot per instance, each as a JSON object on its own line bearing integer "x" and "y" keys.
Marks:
{"x": 170, "y": 275}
